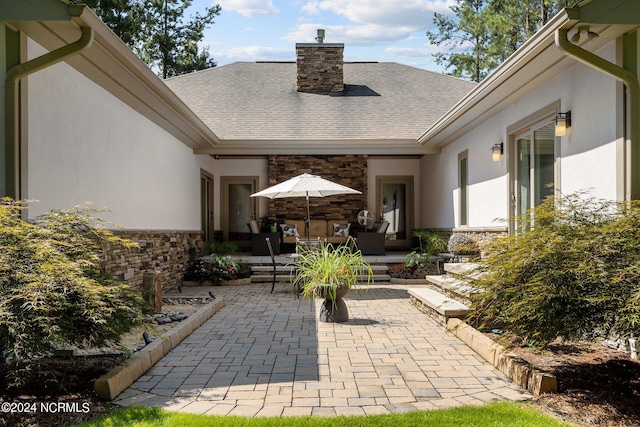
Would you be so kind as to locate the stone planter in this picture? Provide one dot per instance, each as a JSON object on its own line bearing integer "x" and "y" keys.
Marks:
{"x": 335, "y": 311}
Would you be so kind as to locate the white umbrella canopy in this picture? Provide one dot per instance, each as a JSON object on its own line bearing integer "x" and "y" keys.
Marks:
{"x": 305, "y": 185}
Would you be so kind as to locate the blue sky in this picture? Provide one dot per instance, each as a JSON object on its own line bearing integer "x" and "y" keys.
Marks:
{"x": 371, "y": 30}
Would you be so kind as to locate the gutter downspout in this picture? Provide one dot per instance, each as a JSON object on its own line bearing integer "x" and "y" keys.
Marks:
{"x": 631, "y": 82}
{"x": 12, "y": 116}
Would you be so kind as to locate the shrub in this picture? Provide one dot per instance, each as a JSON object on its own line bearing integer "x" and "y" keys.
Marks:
{"x": 573, "y": 273}
{"x": 462, "y": 244}
{"x": 53, "y": 292}
{"x": 431, "y": 242}
{"x": 221, "y": 248}
{"x": 415, "y": 271}
{"x": 215, "y": 269}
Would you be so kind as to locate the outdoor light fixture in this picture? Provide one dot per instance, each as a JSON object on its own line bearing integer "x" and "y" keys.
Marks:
{"x": 584, "y": 29}
{"x": 563, "y": 122}
{"x": 497, "y": 151}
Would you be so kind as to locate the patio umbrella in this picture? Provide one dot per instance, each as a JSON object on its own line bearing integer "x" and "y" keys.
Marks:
{"x": 305, "y": 185}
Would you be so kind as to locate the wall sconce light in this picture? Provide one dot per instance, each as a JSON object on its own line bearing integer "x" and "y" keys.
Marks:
{"x": 563, "y": 122}
{"x": 496, "y": 151}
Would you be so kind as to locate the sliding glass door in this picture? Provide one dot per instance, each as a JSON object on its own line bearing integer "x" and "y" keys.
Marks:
{"x": 534, "y": 164}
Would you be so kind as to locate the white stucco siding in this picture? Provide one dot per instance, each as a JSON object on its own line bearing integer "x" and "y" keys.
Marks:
{"x": 589, "y": 149}
{"x": 587, "y": 159}
{"x": 84, "y": 145}
{"x": 486, "y": 182}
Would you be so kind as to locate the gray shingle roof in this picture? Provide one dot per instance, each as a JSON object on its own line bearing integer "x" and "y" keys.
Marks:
{"x": 259, "y": 101}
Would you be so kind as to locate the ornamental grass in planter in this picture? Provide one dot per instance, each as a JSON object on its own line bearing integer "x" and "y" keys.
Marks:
{"x": 331, "y": 272}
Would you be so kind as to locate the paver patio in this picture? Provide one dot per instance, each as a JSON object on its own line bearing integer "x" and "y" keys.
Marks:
{"x": 267, "y": 355}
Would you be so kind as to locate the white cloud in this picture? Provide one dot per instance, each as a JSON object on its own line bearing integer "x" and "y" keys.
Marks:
{"x": 357, "y": 35}
{"x": 228, "y": 54}
{"x": 249, "y": 8}
{"x": 371, "y": 21}
{"x": 408, "y": 51}
{"x": 415, "y": 13}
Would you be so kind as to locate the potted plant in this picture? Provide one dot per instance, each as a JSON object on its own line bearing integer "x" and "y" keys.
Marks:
{"x": 331, "y": 272}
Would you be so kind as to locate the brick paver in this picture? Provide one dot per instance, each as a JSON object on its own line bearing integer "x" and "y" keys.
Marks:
{"x": 267, "y": 355}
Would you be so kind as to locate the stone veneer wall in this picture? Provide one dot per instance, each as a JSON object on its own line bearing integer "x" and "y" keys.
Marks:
{"x": 482, "y": 235}
{"x": 166, "y": 252}
{"x": 320, "y": 67}
{"x": 350, "y": 171}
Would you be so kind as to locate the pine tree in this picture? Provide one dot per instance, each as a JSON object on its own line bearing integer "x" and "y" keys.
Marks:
{"x": 484, "y": 33}
{"x": 158, "y": 33}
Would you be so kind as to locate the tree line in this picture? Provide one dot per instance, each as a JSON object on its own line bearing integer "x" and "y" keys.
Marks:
{"x": 484, "y": 33}
{"x": 479, "y": 36}
{"x": 157, "y": 31}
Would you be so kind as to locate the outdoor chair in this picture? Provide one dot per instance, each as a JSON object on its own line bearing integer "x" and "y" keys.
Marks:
{"x": 373, "y": 243}
{"x": 273, "y": 262}
{"x": 258, "y": 247}
{"x": 307, "y": 244}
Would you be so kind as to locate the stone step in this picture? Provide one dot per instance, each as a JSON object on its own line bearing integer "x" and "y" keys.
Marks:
{"x": 377, "y": 269}
{"x": 439, "y": 304}
{"x": 262, "y": 278}
{"x": 463, "y": 269}
{"x": 453, "y": 285}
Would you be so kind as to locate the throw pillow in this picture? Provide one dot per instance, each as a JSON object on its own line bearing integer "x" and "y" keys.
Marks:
{"x": 289, "y": 230}
{"x": 341, "y": 230}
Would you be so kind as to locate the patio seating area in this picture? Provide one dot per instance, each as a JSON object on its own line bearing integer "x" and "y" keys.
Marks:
{"x": 266, "y": 354}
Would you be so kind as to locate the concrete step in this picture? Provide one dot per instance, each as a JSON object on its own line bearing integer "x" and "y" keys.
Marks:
{"x": 438, "y": 304}
{"x": 453, "y": 285}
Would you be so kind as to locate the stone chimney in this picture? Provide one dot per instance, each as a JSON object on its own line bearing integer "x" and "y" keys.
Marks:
{"x": 320, "y": 66}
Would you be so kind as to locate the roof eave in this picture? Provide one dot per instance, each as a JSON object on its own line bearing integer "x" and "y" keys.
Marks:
{"x": 112, "y": 65}
{"x": 445, "y": 129}
{"x": 318, "y": 146}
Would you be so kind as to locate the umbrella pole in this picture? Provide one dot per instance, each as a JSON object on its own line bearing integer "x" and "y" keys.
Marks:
{"x": 308, "y": 220}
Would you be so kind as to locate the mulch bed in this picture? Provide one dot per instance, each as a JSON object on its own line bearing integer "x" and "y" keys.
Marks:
{"x": 597, "y": 386}
{"x": 59, "y": 400}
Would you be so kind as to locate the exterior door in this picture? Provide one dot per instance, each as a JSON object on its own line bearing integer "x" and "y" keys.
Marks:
{"x": 395, "y": 202}
{"x": 238, "y": 208}
{"x": 206, "y": 206}
{"x": 534, "y": 166}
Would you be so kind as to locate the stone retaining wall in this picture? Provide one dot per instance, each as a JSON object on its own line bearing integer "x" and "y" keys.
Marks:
{"x": 165, "y": 251}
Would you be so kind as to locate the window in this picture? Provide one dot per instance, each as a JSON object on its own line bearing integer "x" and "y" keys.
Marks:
{"x": 463, "y": 184}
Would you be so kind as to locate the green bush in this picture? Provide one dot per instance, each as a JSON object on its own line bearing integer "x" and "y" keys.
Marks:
{"x": 221, "y": 248}
{"x": 431, "y": 242}
{"x": 574, "y": 273}
{"x": 52, "y": 290}
{"x": 215, "y": 269}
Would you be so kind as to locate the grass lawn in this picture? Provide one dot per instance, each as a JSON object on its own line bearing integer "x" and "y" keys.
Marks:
{"x": 495, "y": 414}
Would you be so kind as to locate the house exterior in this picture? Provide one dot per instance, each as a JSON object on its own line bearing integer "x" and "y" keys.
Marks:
{"x": 175, "y": 161}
